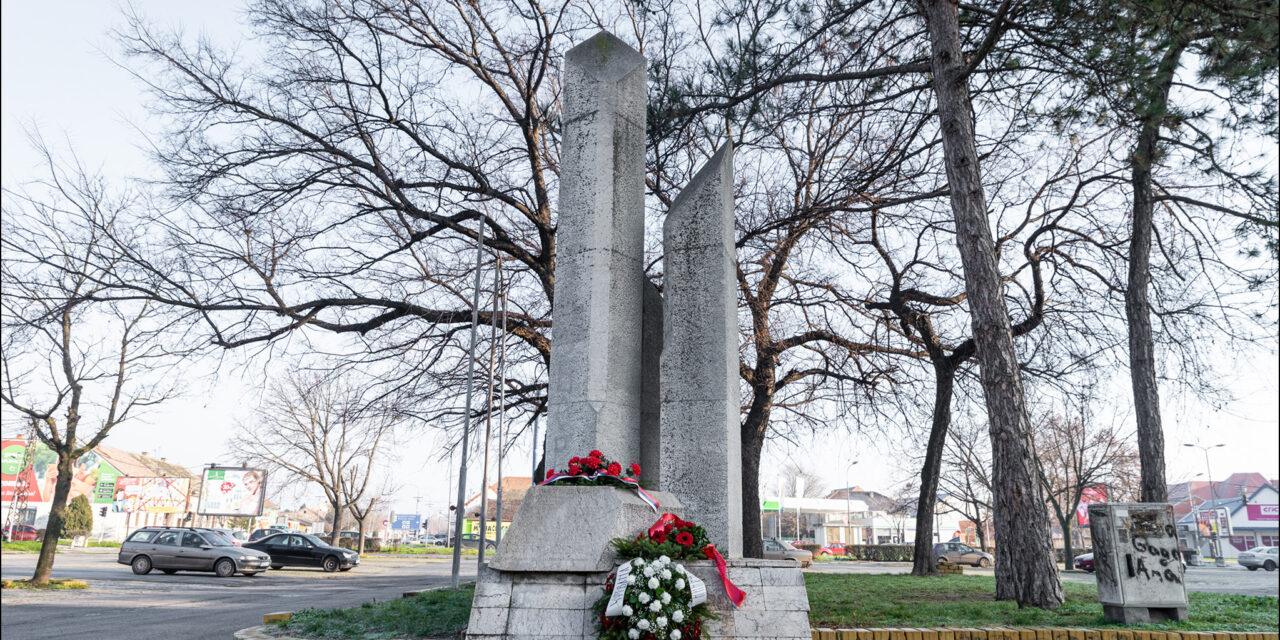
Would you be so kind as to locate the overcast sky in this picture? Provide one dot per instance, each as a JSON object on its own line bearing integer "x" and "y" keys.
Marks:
{"x": 58, "y": 77}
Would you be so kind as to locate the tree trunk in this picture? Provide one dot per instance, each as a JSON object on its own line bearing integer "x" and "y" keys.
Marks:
{"x": 1068, "y": 553}
{"x": 944, "y": 381}
{"x": 753, "y": 429}
{"x": 336, "y": 534}
{"x": 360, "y": 543}
{"x": 1025, "y": 567}
{"x": 1137, "y": 309}
{"x": 57, "y": 515}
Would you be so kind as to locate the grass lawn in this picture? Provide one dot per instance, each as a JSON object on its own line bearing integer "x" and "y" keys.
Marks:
{"x": 426, "y": 551}
{"x": 33, "y": 546}
{"x": 858, "y": 601}
{"x": 441, "y": 613}
{"x": 65, "y": 584}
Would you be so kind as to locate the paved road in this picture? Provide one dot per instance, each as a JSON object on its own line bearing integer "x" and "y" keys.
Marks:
{"x": 192, "y": 606}
{"x": 1229, "y": 579}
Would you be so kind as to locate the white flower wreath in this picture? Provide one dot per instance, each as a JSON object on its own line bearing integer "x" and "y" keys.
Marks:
{"x": 658, "y": 603}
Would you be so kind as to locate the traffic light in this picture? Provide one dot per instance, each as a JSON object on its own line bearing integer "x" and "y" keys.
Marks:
{"x": 102, "y": 512}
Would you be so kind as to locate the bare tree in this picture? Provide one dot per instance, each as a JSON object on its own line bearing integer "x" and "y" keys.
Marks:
{"x": 323, "y": 431}
{"x": 72, "y": 369}
{"x": 1076, "y": 453}
{"x": 363, "y": 506}
{"x": 965, "y": 481}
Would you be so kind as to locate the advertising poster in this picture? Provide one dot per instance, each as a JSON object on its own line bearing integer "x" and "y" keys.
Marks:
{"x": 1262, "y": 512}
{"x": 1088, "y": 496}
{"x": 232, "y": 491}
{"x": 152, "y": 495}
{"x": 91, "y": 476}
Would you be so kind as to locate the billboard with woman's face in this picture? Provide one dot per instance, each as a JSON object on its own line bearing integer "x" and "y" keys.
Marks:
{"x": 232, "y": 491}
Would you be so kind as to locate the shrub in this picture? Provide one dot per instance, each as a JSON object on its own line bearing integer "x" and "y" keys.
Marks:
{"x": 880, "y": 552}
{"x": 808, "y": 546}
{"x": 79, "y": 518}
{"x": 1059, "y": 554}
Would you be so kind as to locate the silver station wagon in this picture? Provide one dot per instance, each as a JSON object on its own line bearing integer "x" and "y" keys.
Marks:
{"x": 172, "y": 549}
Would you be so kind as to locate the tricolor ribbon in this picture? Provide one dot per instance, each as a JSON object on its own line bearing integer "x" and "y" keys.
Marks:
{"x": 630, "y": 482}
{"x": 735, "y": 594}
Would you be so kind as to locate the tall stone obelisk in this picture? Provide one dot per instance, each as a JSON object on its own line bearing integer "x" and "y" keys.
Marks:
{"x": 701, "y": 441}
{"x": 596, "y": 347}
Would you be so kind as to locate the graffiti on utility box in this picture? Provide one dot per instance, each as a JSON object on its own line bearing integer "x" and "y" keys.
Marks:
{"x": 1136, "y": 555}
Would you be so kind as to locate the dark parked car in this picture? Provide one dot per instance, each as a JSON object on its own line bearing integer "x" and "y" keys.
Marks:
{"x": 172, "y": 549}
{"x": 305, "y": 550}
{"x": 960, "y": 553}
{"x": 1084, "y": 562}
{"x": 472, "y": 541}
{"x": 259, "y": 534}
{"x": 22, "y": 533}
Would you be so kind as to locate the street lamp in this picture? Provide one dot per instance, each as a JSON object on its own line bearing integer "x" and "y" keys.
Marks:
{"x": 848, "y": 531}
{"x": 1218, "y": 560}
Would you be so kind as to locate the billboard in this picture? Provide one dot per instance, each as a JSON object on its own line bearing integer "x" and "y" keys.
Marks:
{"x": 91, "y": 476}
{"x": 1088, "y": 496}
{"x": 1263, "y": 511}
{"x": 152, "y": 495}
{"x": 232, "y": 491}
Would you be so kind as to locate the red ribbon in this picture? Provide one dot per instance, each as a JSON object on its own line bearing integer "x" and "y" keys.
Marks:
{"x": 666, "y": 521}
{"x": 735, "y": 594}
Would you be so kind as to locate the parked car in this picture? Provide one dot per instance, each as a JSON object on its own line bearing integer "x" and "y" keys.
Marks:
{"x": 259, "y": 534}
{"x": 436, "y": 539}
{"x": 22, "y": 533}
{"x": 960, "y": 553}
{"x": 832, "y": 549}
{"x": 305, "y": 550}
{"x": 1084, "y": 562}
{"x": 775, "y": 550}
{"x": 172, "y": 549}
{"x": 1265, "y": 557}
{"x": 236, "y": 536}
{"x": 472, "y": 541}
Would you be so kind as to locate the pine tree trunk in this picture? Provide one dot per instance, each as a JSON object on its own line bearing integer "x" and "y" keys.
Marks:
{"x": 57, "y": 515}
{"x": 944, "y": 385}
{"x": 1142, "y": 359}
{"x": 1025, "y": 567}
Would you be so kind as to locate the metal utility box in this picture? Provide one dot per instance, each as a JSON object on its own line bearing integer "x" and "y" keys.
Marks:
{"x": 1137, "y": 562}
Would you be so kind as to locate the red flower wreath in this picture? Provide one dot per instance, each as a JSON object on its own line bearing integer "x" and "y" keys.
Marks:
{"x": 684, "y": 538}
{"x": 659, "y": 536}
{"x": 615, "y": 469}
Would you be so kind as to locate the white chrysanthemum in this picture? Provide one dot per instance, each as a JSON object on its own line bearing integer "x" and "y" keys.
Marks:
{"x": 666, "y": 597}
{"x": 662, "y": 621}
{"x": 644, "y": 598}
{"x": 653, "y": 583}
{"x": 649, "y": 571}
{"x": 666, "y": 575}
{"x": 679, "y": 583}
{"x": 643, "y": 625}
{"x": 634, "y": 634}
{"x": 678, "y": 616}
{"x": 627, "y": 610}
{"x": 639, "y": 562}
{"x": 631, "y": 579}
{"x": 663, "y": 560}
{"x": 655, "y": 606}
{"x": 680, "y": 568}
{"x": 675, "y": 634}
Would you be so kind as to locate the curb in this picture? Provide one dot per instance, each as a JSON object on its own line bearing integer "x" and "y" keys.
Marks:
{"x": 1034, "y": 633}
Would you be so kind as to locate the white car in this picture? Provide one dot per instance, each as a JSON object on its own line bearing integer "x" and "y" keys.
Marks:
{"x": 1266, "y": 557}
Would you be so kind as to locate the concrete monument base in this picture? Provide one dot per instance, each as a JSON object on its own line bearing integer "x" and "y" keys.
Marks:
{"x": 1138, "y": 615}
{"x": 557, "y": 605}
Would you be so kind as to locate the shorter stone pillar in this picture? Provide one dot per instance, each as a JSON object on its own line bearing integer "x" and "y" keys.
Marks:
{"x": 701, "y": 443}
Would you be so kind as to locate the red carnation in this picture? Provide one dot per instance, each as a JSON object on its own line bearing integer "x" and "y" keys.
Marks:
{"x": 574, "y": 460}
{"x": 593, "y": 463}
{"x": 659, "y": 536}
{"x": 684, "y": 538}
{"x": 615, "y": 469}
{"x": 550, "y": 472}
{"x": 635, "y": 469}
{"x": 596, "y": 454}
{"x": 574, "y": 469}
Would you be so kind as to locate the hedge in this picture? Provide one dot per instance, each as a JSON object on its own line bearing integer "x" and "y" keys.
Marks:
{"x": 880, "y": 552}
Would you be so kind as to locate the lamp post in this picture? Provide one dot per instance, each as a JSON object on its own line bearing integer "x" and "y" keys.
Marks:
{"x": 1218, "y": 560}
{"x": 848, "y": 522}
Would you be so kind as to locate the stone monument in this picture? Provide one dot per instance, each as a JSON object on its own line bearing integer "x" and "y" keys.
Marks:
{"x": 642, "y": 376}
